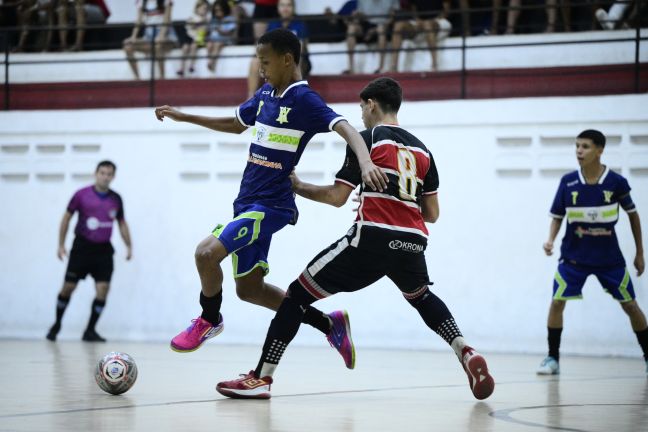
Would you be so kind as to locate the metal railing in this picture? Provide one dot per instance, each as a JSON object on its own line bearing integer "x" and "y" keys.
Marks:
{"x": 6, "y": 37}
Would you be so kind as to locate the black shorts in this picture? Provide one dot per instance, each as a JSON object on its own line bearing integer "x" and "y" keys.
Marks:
{"x": 344, "y": 268}
{"x": 265, "y": 12}
{"x": 95, "y": 259}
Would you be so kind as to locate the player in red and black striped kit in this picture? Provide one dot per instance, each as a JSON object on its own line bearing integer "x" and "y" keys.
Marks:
{"x": 388, "y": 238}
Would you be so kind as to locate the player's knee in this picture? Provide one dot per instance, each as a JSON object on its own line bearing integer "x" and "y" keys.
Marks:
{"x": 208, "y": 253}
{"x": 68, "y": 289}
{"x": 417, "y": 297}
{"x": 298, "y": 294}
{"x": 558, "y": 305}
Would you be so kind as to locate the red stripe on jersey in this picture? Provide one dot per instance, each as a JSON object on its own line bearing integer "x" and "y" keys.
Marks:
{"x": 391, "y": 212}
{"x": 386, "y": 156}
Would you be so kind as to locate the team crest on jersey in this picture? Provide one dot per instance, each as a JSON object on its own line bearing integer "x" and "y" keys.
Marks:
{"x": 607, "y": 196}
{"x": 261, "y": 133}
{"x": 574, "y": 197}
{"x": 283, "y": 115}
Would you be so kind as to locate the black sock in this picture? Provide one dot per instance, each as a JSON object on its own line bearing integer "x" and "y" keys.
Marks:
{"x": 318, "y": 319}
{"x": 97, "y": 308}
{"x": 211, "y": 307}
{"x": 642, "y": 337}
{"x": 61, "y": 305}
{"x": 554, "y": 342}
{"x": 435, "y": 313}
{"x": 282, "y": 331}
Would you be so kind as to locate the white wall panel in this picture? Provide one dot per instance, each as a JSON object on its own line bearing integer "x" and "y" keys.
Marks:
{"x": 499, "y": 163}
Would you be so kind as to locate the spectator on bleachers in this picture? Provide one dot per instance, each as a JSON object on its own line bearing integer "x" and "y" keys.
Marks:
{"x": 264, "y": 11}
{"x": 155, "y": 16}
{"x": 338, "y": 22}
{"x": 194, "y": 36}
{"x": 551, "y": 10}
{"x": 85, "y": 12}
{"x": 427, "y": 17}
{"x": 369, "y": 23}
{"x": 289, "y": 21}
{"x": 222, "y": 31}
{"x": 31, "y": 13}
{"x": 479, "y": 17}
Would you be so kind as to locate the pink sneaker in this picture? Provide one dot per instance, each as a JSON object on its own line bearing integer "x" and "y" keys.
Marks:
{"x": 198, "y": 332}
{"x": 481, "y": 383}
{"x": 340, "y": 337}
{"x": 246, "y": 387}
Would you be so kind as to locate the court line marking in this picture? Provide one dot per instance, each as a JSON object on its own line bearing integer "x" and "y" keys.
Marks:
{"x": 505, "y": 414}
{"x": 326, "y": 393}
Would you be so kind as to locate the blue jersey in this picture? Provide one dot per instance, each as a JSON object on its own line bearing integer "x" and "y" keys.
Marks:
{"x": 592, "y": 210}
{"x": 281, "y": 126}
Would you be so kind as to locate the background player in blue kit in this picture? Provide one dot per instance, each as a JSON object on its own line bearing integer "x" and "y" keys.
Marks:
{"x": 388, "y": 238}
{"x": 590, "y": 199}
{"x": 284, "y": 114}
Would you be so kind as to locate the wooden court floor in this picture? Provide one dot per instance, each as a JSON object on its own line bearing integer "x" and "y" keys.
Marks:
{"x": 50, "y": 387}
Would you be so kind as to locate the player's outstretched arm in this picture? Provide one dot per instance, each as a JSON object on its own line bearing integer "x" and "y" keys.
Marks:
{"x": 220, "y": 124}
{"x": 336, "y": 194}
{"x": 554, "y": 227}
{"x": 635, "y": 226}
{"x": 372, "y": 175}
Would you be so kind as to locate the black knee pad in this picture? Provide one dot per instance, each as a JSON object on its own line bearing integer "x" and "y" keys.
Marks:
{"x": 298, "y": 294}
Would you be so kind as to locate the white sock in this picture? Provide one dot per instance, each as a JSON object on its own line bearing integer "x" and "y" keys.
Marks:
{"x": 617, "y": 10}
{"x": 458, "y": 345}
{"x": 267, "y": 370}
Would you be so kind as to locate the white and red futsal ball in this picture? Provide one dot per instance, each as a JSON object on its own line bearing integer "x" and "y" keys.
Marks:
{"x": 116, "y": 373}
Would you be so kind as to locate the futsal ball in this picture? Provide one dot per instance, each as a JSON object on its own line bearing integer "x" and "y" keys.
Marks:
{"x": 116, "y": 373}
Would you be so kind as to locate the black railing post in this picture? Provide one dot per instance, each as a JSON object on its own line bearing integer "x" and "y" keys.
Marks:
{"x": 637, "y": 63}
{"x": 463, "y": 66}
{"x": 6, "y": 68}
{"x": 152, "y": 79}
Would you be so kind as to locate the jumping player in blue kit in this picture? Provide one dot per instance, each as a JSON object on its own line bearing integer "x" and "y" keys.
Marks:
{"x": 284, "y": 114}
{"x": 590, "y": 198}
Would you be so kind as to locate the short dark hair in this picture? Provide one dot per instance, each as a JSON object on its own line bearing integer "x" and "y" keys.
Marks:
{"x": 386, "y": 92}
{"x": 107, "y": 163}
{"x": 597, "y": 137}
{"x": 282, "y": 41}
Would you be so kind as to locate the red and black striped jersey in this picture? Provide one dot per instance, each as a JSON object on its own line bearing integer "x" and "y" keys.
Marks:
{"x": 395, "y": 213}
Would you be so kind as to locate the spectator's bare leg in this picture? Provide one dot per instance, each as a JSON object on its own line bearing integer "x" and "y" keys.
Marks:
{"x": 254, "y": 80}
{"x": 62, "y": 14}
{"x": 183, "y": 60}
{"x": 497, "y": 5}
{"x": 565, "y": 9}
{"x": 551, "y": 16}
{"x": 352, "y": 31}
{"x": 193, "y": 50}
{"x": 48, "y": 8}
{"x": 397, "y": 43}
{"x": 129, "y": 49}
{"x": 24, "y": 15}
{"x": 382, "y": 46}
{"x": 161, "y": 50}
{"x": 214, "y": 49}
{"x": 80, "y": 22}
{"x": 431, "y": 29}
{"x": 465, "y": 17}
{"x": 512, "y": 16}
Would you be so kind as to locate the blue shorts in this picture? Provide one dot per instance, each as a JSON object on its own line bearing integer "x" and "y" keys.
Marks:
{"x": 569, "y": 281}
{"x": 247, "y": 237}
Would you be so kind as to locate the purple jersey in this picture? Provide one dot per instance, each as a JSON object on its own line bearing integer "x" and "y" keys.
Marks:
{"x": 97, "y": 211}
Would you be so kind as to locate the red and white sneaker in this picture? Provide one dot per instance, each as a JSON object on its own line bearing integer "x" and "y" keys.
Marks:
{"x": 481, "y": 382}
{"x": 246, "y": 387}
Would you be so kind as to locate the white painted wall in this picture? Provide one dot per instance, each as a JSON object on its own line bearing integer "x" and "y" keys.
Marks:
{"x": 499, "y": 163}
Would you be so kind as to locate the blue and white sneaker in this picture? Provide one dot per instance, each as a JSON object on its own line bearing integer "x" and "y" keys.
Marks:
{"x": 549, "y": 366}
